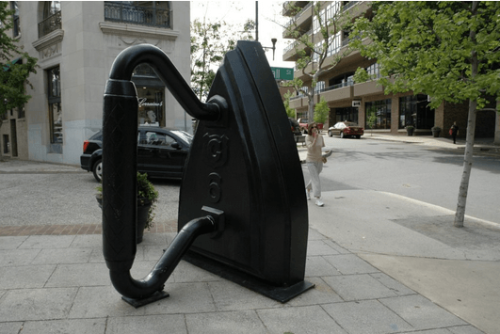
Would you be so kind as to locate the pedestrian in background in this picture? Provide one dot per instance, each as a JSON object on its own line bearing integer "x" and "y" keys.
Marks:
{"x": 454, "y": 132}
{"x": 314, "y": 161}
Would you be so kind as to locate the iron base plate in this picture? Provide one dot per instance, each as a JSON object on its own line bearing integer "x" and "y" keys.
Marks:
{"x": 158, "y": 295}
{"x": 281, "y": 294}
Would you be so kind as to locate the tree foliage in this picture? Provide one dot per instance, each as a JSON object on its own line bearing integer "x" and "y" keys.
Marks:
{"x": 321, "y": 111}
{"x": 426, "y": 47}
{"x": 286, "y": 102}
{"x": 15, "y": 66}
{"x": 372, "y": 118}
{"x": 361, "y": 75}
{"x": 319, "y": 57}
{"x": 210, "y": 41}
{"x": 447, "y": 50}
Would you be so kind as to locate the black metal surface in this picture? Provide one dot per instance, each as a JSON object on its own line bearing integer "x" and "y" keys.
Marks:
{"x": 154, "y": 281}
{"x": 119, "y": 175}
{"x": 243, "y": 171}
{"x": 158, "y": 295}
{"x": 248, "y": 167}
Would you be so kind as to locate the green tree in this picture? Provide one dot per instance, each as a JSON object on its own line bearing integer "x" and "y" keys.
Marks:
{"x": 319, "y": 57}
{"x": 372, "y": 112}
{"x": 210, "y": 41}
{"x": 361, "y": 75}
{"x": 447, "y": 50}
{"x": 286, "y": 102}
{"x": 15, "y": 67}
{"x": 321, "y": 111}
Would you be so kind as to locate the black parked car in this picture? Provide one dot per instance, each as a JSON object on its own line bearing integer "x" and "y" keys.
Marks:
{"x": 161, "y": 152}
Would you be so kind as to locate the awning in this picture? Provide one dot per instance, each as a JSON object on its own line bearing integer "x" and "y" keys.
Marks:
{"x": 7, "y": 66}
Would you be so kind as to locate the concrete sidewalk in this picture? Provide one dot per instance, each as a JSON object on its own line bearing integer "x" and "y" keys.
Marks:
{"x": 483, "y": 146}
{"x": 381, "y": 264}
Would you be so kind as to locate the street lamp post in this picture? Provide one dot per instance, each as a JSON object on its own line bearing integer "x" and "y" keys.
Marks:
{"x": 273, "y": 40}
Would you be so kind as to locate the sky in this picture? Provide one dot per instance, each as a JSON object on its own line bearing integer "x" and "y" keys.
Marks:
{"x": 238, "y": 12}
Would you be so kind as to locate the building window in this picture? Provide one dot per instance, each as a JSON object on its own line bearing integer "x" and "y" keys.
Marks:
{"x": 16, "y": 29}
{"x": 55, "y": 112}
{"x": 149, "y": 13}
{"x": 382, "y": 111}
{"x": 6, "y": 144}
{"x": 151, "y": 94}
{"x": 344, "y": 80}
{"x": 334, "y": 44}
{"x": 21, "y": 112}
{"x": 332, "y": 9}
{"x": 373, "y": 71}
{"x": 414, "y": 110}
{"x": 349, "y": 114}
{"x": 318, "y": 48}
{"x": 51, "y": 18}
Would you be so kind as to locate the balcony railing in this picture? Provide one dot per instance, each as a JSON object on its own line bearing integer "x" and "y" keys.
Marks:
{"x": 340, "y": 85}
{"x": 349, "y": 4}
{"x": 149, "y": 16}
{"x": 298, "y": 14}
{"x": 50, "y": 24}
{"x": 290, "y": 47}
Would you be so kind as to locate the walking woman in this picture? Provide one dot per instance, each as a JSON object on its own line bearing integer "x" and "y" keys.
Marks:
{"x": 454, "y": 132}
{"x": 314, "y": 161}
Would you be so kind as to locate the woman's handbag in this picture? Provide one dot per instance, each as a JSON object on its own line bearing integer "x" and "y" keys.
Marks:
{"x": 451, "y": 132}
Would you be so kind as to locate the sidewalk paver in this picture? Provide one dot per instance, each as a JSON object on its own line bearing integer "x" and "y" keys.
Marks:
{"x": 53, "y": 279}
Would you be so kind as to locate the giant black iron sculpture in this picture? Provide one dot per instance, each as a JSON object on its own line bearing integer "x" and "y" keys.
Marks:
{"x": 242, "y": 201}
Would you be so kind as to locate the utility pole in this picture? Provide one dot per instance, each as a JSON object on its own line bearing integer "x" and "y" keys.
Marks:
{"x": 256, "y": 21}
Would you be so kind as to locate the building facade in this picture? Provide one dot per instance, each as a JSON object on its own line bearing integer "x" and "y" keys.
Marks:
{"x": 355, "y": 101}
{"x": 76, "y": 43}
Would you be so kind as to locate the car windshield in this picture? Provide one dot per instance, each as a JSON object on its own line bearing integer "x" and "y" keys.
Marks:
{"x": 188, "y": 138}
{"x": 96, "y": 136}
{"x": 350, "y": 124}
{"x": 339, "y": 125}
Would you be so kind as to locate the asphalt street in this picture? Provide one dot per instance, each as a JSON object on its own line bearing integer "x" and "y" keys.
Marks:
{"x": 428, "y": 174}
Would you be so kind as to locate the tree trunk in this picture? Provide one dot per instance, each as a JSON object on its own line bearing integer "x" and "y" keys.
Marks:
{"x": 310, "y": 109}
{"x": 468, "y": 157}
{"x": 469, "y": 143}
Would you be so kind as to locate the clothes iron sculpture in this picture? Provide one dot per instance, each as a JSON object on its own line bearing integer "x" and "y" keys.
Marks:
{"x": 243, "y": 211}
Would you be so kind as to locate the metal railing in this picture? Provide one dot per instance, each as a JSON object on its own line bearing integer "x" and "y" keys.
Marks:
{"x": 336, "y": 86}
{"x": 49, "y": 24}
{"x": 324, "y": 89}
{"x": 149, "y": 16}
{"x": 292, "y": 20}
{"x": 349, "y": 4}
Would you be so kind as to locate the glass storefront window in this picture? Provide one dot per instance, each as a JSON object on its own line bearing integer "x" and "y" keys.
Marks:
{"x": 382, "y": 111}
{"x": 54, "y": 99}
{"x": 151, "y": 106}
{"x": 414, "y": 110}
{"x": 151, "y": 94}
{"x": 349, "y": 114}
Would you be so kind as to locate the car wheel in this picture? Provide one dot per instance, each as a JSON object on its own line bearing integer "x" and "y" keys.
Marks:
{"x": 330, "y": 133}
{"x": 97, "y": 170}
{"x": 342, "y": 134}
{"x": 358, "y": 137}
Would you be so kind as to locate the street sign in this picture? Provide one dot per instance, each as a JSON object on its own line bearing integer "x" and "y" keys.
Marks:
{"x": 282, "y": 73}
{"x": 356, "y": 103}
